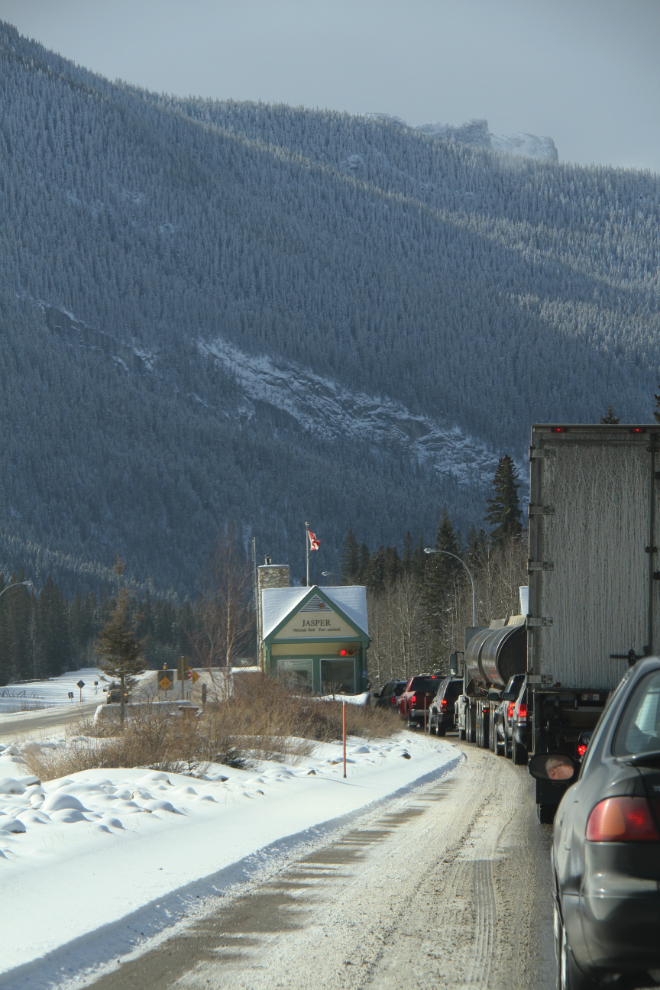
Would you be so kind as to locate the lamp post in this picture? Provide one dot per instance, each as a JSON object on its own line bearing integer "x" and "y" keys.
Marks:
{"x": 334, "y": 574}
{"x": 17, "y": 584}
{"x": 474, "y": 597}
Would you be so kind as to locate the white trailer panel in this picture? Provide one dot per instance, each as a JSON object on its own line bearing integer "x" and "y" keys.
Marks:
{"x": 592, "y": 549}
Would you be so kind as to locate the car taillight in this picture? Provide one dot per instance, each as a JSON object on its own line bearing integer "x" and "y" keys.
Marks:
{"x": 509, "y": 711}
{"x": 413, "y": 700}
{"x": 622, "y": 819}
{"x": 443, "y": 704}
{"x": 393, "y": 700}
{"x": 522, "y": 711}
{"x": 582, "y": 749}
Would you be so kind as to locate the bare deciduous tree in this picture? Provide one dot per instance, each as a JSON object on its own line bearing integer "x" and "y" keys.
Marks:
{"x": 225, "y": 628}
{"x": 404, "y": 641}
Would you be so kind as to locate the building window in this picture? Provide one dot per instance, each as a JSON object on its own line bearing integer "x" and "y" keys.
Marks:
{"x": 338, "y": 676}
{"x": 296, "y": 674}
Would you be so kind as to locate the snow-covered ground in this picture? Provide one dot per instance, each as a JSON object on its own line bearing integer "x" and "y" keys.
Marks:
{"x": 52, "y": 691}
{"x": 85, "y": 852}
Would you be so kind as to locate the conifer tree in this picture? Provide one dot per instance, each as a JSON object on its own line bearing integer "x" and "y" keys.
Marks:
{"x": 22, "y": 626}
{"x": 5, "y": 652}
{"x": 376, "y": 574}
{"x": 440, "y": 571}
{"x": 393, "y": 567}
{"x": 504, "y": 510}
{"x": 476, "y": 546}
{"x": 610, "y": 416}
{"x": 53, "y": 646}
{"x": 350, "y": 559}
{"x": 407, "y": 561}
{"x": 656, "y": 411}
{"x": 365, "y": 560}
{"x": 419, "y": 559}
{"x": 120, "y": 650}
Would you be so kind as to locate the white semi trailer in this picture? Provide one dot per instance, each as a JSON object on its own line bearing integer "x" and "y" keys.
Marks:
{"x": 594, "y": 580}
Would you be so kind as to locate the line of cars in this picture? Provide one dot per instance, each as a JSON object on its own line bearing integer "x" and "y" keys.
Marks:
{"x": 412, "y": 699}
{"x": 606, "y": 847}
{"x": 430, "y": 700}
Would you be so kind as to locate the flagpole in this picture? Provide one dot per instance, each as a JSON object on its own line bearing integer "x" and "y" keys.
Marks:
{"x": 307, "y": 549}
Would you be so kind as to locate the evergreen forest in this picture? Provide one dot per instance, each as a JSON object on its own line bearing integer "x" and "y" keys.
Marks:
{"x": 138, "y": 229}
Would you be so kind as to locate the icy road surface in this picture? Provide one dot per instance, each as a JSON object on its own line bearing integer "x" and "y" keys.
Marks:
{"x": 447, "y": 886}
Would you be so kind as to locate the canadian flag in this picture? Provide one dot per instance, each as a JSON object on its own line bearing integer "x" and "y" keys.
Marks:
{"x": 313, "y": 542}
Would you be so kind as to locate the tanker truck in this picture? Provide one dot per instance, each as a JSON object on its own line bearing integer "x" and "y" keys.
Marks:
{"x": 494, "y": 664}
{"x": 594, "y": 589}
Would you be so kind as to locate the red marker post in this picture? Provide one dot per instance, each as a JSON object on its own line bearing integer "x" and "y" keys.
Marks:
{"x": 343, "y": 718}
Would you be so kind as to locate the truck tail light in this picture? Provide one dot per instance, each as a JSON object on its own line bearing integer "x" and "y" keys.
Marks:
{"x": 393, "y": 700}
{"x": 522, "y": 711}
{"x": 443, "y": 704}
{"x": 413, "y": 700}
{"x": 509, "y": 711}
{"x": 622, "y": 819}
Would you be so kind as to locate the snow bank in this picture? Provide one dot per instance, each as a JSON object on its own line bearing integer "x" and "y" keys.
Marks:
{"x": 103, "y": 844}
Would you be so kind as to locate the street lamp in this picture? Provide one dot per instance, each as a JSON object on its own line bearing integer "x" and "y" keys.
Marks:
{"x": 17, "y": 584}
{"x": 334, "y": 574}
{"x": 474, "y": 597}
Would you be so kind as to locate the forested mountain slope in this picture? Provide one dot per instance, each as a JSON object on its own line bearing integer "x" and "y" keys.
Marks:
{"x": 143, "y": 239}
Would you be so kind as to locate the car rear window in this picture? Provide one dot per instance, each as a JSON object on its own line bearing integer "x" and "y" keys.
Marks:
{"x": 639, "y": 728}
{"x": 425, "y": 684}
{"x": 400, "y": 687}
{"x": 453, "y": 689}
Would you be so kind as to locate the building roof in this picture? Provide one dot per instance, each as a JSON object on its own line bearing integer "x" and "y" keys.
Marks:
{"x": 278, "y": 603}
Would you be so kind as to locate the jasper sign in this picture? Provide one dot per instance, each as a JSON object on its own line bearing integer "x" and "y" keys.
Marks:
{"x": 329, "y": 626}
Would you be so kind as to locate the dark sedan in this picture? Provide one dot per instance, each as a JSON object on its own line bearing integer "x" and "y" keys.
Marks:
{"x": 606, "y": 850}
{"x": 389, "y": 695}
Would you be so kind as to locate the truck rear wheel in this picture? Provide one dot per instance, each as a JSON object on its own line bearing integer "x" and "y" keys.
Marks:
{"x": 546, "y": 813}
{"x": 461, "y": 734}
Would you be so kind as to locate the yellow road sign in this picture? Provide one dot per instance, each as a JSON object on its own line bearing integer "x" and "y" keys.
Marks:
{"x": 194, "y": 675}
{"x": 165, "y": 683}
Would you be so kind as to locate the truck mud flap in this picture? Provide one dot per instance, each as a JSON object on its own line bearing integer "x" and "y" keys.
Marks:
{"x": 547, "y": 792}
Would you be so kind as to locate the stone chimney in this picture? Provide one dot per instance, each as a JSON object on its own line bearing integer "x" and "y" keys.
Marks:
{"x": 270, "y": 576}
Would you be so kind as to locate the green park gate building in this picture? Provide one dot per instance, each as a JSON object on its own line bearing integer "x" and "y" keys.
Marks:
{"x": 316, "y": 638}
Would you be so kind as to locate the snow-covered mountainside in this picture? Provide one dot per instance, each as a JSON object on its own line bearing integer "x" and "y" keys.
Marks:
{"x": 331, "y": 411}
{"x": 394, "y": 309}
{"x": 475, "y": 134}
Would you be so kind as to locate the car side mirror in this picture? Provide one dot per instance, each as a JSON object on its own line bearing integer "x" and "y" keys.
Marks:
{"x": 376, "y": 694}
{"x": 509, "y": 696}
{"x": 558, "y": 767}
{"x": 493, "y": 696}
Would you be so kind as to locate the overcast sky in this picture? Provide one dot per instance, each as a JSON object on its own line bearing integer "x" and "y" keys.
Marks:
{"x": 584, "y": 72}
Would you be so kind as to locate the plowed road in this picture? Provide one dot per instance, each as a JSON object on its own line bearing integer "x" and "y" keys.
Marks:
{"x": 447, "y": 887}
{"x": 44, "y": 722}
